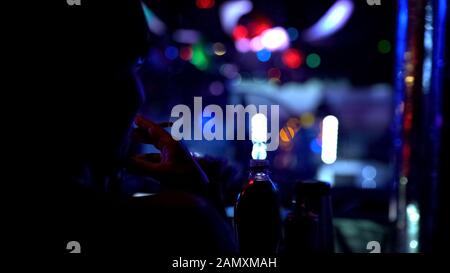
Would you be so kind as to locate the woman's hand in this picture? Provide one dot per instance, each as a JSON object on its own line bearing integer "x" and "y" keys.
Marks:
{"x": 174, "y": 167}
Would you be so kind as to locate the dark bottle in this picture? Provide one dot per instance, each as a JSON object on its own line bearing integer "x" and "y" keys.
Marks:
{"x": 309, "y": 227}
{"x": 257, "y": 213}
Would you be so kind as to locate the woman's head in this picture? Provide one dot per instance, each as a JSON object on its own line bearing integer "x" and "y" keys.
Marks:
{"x": 98, "y": 45}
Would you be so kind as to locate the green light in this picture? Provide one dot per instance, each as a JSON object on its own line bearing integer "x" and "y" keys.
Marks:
{"x": 313, "y": 60}
{"x": 199, "y": 58}
{"x": 384, "y": 46}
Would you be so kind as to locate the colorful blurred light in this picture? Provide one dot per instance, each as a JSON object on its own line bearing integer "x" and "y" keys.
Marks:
{"x": 242, "y": 45}
{"x": 154, "y": 24}
{"x": 313, "y": 60}
{"x": 287, "y": 134}
{"x": 275, "y": 39}
{"x": 292, "y": 58}
{"x": 199, "y": 58}
{"x": 255, "y": 44}
{"x": 231, "y": 11}
{"x": 384, "y": 46}
{"x": 186, "y": 36}
{"x": 230, "y": 71}
{"x": 219, "y": 49}
{"x": 240, "y": 32}
{"x": 171, "y": 52}
{"x": 274, "y": 73}
{"x": 186, "y": 53}
{"x": 333, "y": 20}
{"x": 293, "y": 33}
{"x": 263, "y": 55}
{"x": 315, "y": 147}
{"x": 205, "y": 4}
{"x": 258, "y": 26}
{"x": 294, "y": 123}
{"x": 216, "y": 88}
{"x": 307, "y": 119}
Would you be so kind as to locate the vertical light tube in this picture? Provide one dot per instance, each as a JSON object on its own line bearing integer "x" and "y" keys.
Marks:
{"x": 330, "y": 126}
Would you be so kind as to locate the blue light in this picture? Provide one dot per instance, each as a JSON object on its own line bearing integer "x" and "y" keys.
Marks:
{"x": 263, "y": 55}
{"x": 333, "y": 20}
{"x": 154, "y": 24}
{"x": 428, "y": 49}
{"x": 315, "y": 147}
{"x": 171, "y": 52}
{"x": 293, "y": 33}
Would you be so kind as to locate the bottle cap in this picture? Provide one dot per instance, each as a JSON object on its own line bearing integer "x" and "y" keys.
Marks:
{"x": 259, "y": 164}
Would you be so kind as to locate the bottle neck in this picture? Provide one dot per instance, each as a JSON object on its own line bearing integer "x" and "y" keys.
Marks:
{"x": 259, "y": 169}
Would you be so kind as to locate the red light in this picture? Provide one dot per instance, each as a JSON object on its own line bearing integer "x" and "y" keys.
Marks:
{"x": 258, "y": 26}
{"x": 274, "y": 73}
{"x": 292, "y": 58}
{"x": 204, "y": 4}
{"x": 186, "y": 53}
{"x": 251, "y": 182}
{"x": 240, "y": 32}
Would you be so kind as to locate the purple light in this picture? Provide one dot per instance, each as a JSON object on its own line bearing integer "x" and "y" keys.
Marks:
{"x": 275, "y": 39}
{"x": 231, "y": 11}
{"x": 216, "y": 88}
{"x": 256, "y": 45}
{"x": 333, "y": 20}
{"x": 186, "y": 36}
{"x": 243, "y": 45}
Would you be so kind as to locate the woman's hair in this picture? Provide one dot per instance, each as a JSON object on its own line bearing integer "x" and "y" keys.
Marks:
{"x": 96, "y": 45}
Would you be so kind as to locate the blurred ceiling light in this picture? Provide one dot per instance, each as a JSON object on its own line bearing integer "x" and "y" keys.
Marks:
{"x": 330, "y": 125}
{"x": 154, "y": 24}
{"x": 219, "y": 49}
{"x": 275, "y": 39}
{"x": 333, "y": 20}
{"x": 255, "y": 44}
{"x": 216, "y": 88}
{"x": 186, "y": 36}
{"x": 243, "y": 45}
{"x": 292, "y": 58}
{"x": 205, "y": 4}
{"x": 240, "y": 32}
{"x": 231, "y": 11}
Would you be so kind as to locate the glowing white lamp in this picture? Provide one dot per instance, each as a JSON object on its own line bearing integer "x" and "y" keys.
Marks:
{"x": 330, "y": 125}
{"x": 275, "y": 39}
{"x": 259, "y": 136}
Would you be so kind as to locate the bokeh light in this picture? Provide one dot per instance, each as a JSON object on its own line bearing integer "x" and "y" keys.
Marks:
{"x": 275, "y": 39}
{"x": 292, "y": 58}
{"x": 293, "y": 33}
{"x": 186, "y": 53}
{"x": 219, "y": 49}
{"x": 216, "y": 88}
{"x": 263, "y": 55}
{"x": 274, "y": 73}
{"x": 287, "y": 134}
{"x": 384, "y": 46}
{"x": 313, "y": 60}
{"x": 294, "y": 123}
{"x": 205, "y": 4}
{"x": 243, "y": 45}
{"x": 230, "y": 71}
{"x": 315, "y": 146}
{"x": 171, "y": 52}
{"x": 307, "y": 119}
{"x": 240, "y": 32}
